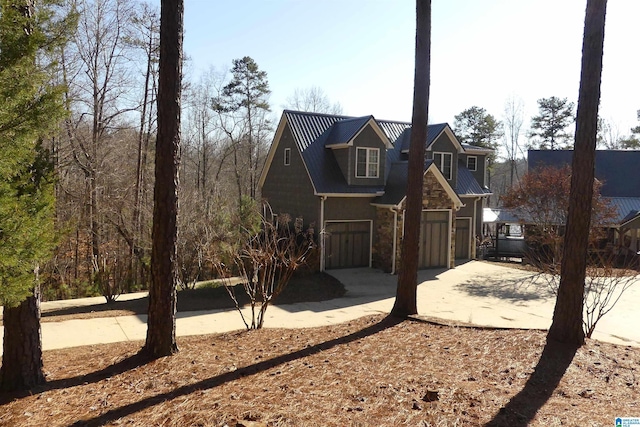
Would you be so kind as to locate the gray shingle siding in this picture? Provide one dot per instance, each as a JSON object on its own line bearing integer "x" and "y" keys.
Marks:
{"x": 288, "y": 188}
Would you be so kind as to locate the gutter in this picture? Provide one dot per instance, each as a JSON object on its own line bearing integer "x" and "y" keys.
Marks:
{"x": 395, "y": 239}
{"x": 322, "y": 233}
{"x": 473, "y": 228}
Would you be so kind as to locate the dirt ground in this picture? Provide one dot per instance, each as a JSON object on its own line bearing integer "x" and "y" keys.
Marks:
{"x": 375, "y": 371}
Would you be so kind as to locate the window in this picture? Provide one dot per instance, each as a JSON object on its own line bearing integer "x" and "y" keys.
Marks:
{"x": 367, "y": 162}
{"x": 472, "y": 163}
{"x": 287, "y": 156}
{"x": 444, "y": 162}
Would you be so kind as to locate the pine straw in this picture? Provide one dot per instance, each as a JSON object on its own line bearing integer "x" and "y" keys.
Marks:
{"x": 374, "y": 371}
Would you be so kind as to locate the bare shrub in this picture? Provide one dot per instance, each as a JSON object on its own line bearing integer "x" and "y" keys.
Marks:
{"x": 264, "y": 264}
{"x": 604, "y": 284}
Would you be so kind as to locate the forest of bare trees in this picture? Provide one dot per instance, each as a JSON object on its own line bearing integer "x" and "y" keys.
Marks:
{"x": 104, "y": 154}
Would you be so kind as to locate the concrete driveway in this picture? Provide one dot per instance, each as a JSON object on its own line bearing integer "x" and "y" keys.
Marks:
{"x": 475, "y": 292}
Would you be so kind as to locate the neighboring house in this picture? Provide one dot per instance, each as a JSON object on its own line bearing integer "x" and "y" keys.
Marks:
{"x": 348, "y": 175}
{"x": 618, "y": 172}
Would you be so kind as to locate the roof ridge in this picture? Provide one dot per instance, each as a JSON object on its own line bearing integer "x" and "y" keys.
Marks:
{"x": 310, "y": 113}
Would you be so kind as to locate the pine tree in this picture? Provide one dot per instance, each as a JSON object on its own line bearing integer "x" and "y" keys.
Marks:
{"x": 406, "y": 299}
{"x": 30, "y": 108}
{"x": 549, "y": 127}
{"x": 246, "y": 98}
{"x": 161, "y": 325}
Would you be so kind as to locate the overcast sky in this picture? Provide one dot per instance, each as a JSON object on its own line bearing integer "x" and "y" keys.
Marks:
{"x": 361, "y": 53}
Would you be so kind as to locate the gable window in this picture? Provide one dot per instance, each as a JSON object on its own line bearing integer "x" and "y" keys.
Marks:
{"x": 287, "y": 156}
{"x": 367, "y": 162}
{"x": 472, "y": 163}
{"x": 444, "y": 161}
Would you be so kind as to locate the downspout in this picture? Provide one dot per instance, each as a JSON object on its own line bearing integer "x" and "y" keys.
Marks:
{"x": 395, "y": 239}
{"x": 322, "y": 233}
{"x": 474, "y": 230}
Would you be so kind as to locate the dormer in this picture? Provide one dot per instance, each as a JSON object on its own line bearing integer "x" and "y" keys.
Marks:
{"x": 360, "y": 147}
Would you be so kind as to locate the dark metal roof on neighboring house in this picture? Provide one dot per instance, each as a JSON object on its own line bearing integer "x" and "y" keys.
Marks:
{"x": 492, "y": 216}
{"x": 616, "y": 169}
{"x": 467, "y": 184}
{"x": 626, "y": 208}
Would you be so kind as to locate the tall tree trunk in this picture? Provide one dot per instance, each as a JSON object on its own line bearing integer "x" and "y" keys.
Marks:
{"x": 22, "y": 347}
{"x": 567, "y": 316}
{"x": 406, "y": 303}
{"x": 161, "y": 326}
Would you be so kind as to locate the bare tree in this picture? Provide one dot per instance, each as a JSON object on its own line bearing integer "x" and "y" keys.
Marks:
{"x": 161, "y": 325}
{"x": 512, "y": 127}
{"x": 146, "y": 22}
{"x": 313, "y": 100}
{"x": 406, "y": 300}
{"x": 97, "y": 71}
{"x": 567, "y": 315}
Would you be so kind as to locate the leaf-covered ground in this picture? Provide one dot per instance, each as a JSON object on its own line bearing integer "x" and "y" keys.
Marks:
{"x": 375, "y": 371}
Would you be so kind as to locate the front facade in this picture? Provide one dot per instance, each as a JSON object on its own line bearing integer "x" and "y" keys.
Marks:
{"x": 346, "y": 177}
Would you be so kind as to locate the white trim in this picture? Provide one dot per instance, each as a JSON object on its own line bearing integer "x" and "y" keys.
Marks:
{"x": 457, "y": 203}
{"x": 475, "y": 163}
{"x": 376, "y": 128}
{"x": 376, "y": 194}
{"x": 447, "y": 130}
{"x": 471, "y": 226}
{"x": 370, "y": 221}
{"x": 443, "y": 155}
{"x": 367, "y": 150}
{"x": 475, "y": 231}
{"x": 448, "y": 266}
{"x": 272, "y": 152}
{"x": 322, "y": 234}
{"x": 287, "y": 156}
{"x": 394, "y": 246}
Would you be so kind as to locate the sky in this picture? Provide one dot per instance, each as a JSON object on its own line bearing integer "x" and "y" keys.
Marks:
{"x": 361, "y": 52}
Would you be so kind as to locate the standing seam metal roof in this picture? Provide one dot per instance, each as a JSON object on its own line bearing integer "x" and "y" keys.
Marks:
{"x": 312, "y": 132}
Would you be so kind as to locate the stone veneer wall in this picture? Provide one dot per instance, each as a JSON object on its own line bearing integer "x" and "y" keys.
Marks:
{"x": 434, "y": 196}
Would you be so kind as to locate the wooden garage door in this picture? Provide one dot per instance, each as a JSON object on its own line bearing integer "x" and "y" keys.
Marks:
{"x": 463, "y": 233}
{"x": 347, "y": 244}
{"x": 434, "y": 239}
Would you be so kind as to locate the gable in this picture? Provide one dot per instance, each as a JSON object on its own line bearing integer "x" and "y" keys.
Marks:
{"x": 344, "y": 132}
{"x": 395, "y": 191}
{"x": 435, "y": 133}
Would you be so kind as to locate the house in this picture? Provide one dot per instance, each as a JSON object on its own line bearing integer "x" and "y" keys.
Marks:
{"x": 617, "y": 170}
{"x": 348, "y": 175}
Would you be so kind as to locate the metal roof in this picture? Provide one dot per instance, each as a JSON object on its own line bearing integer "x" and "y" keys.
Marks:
{"x": 491, "y": 216}
{"x": 616, "y": 169}
{"x": 313, "y": 132}
{"x": 467, "y": 185}
{"x": 396, "y": 187}
{"x": 626, "y": 208}
{"x": 432, "y": 133}
{"x": 344, "y": 130}
{"x": 475, "y": 148}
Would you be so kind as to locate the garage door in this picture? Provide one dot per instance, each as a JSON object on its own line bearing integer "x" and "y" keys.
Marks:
{"x": 434, "y": 239}
{"x": 347, "y": 244}
{"x": 463, "y": 234}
